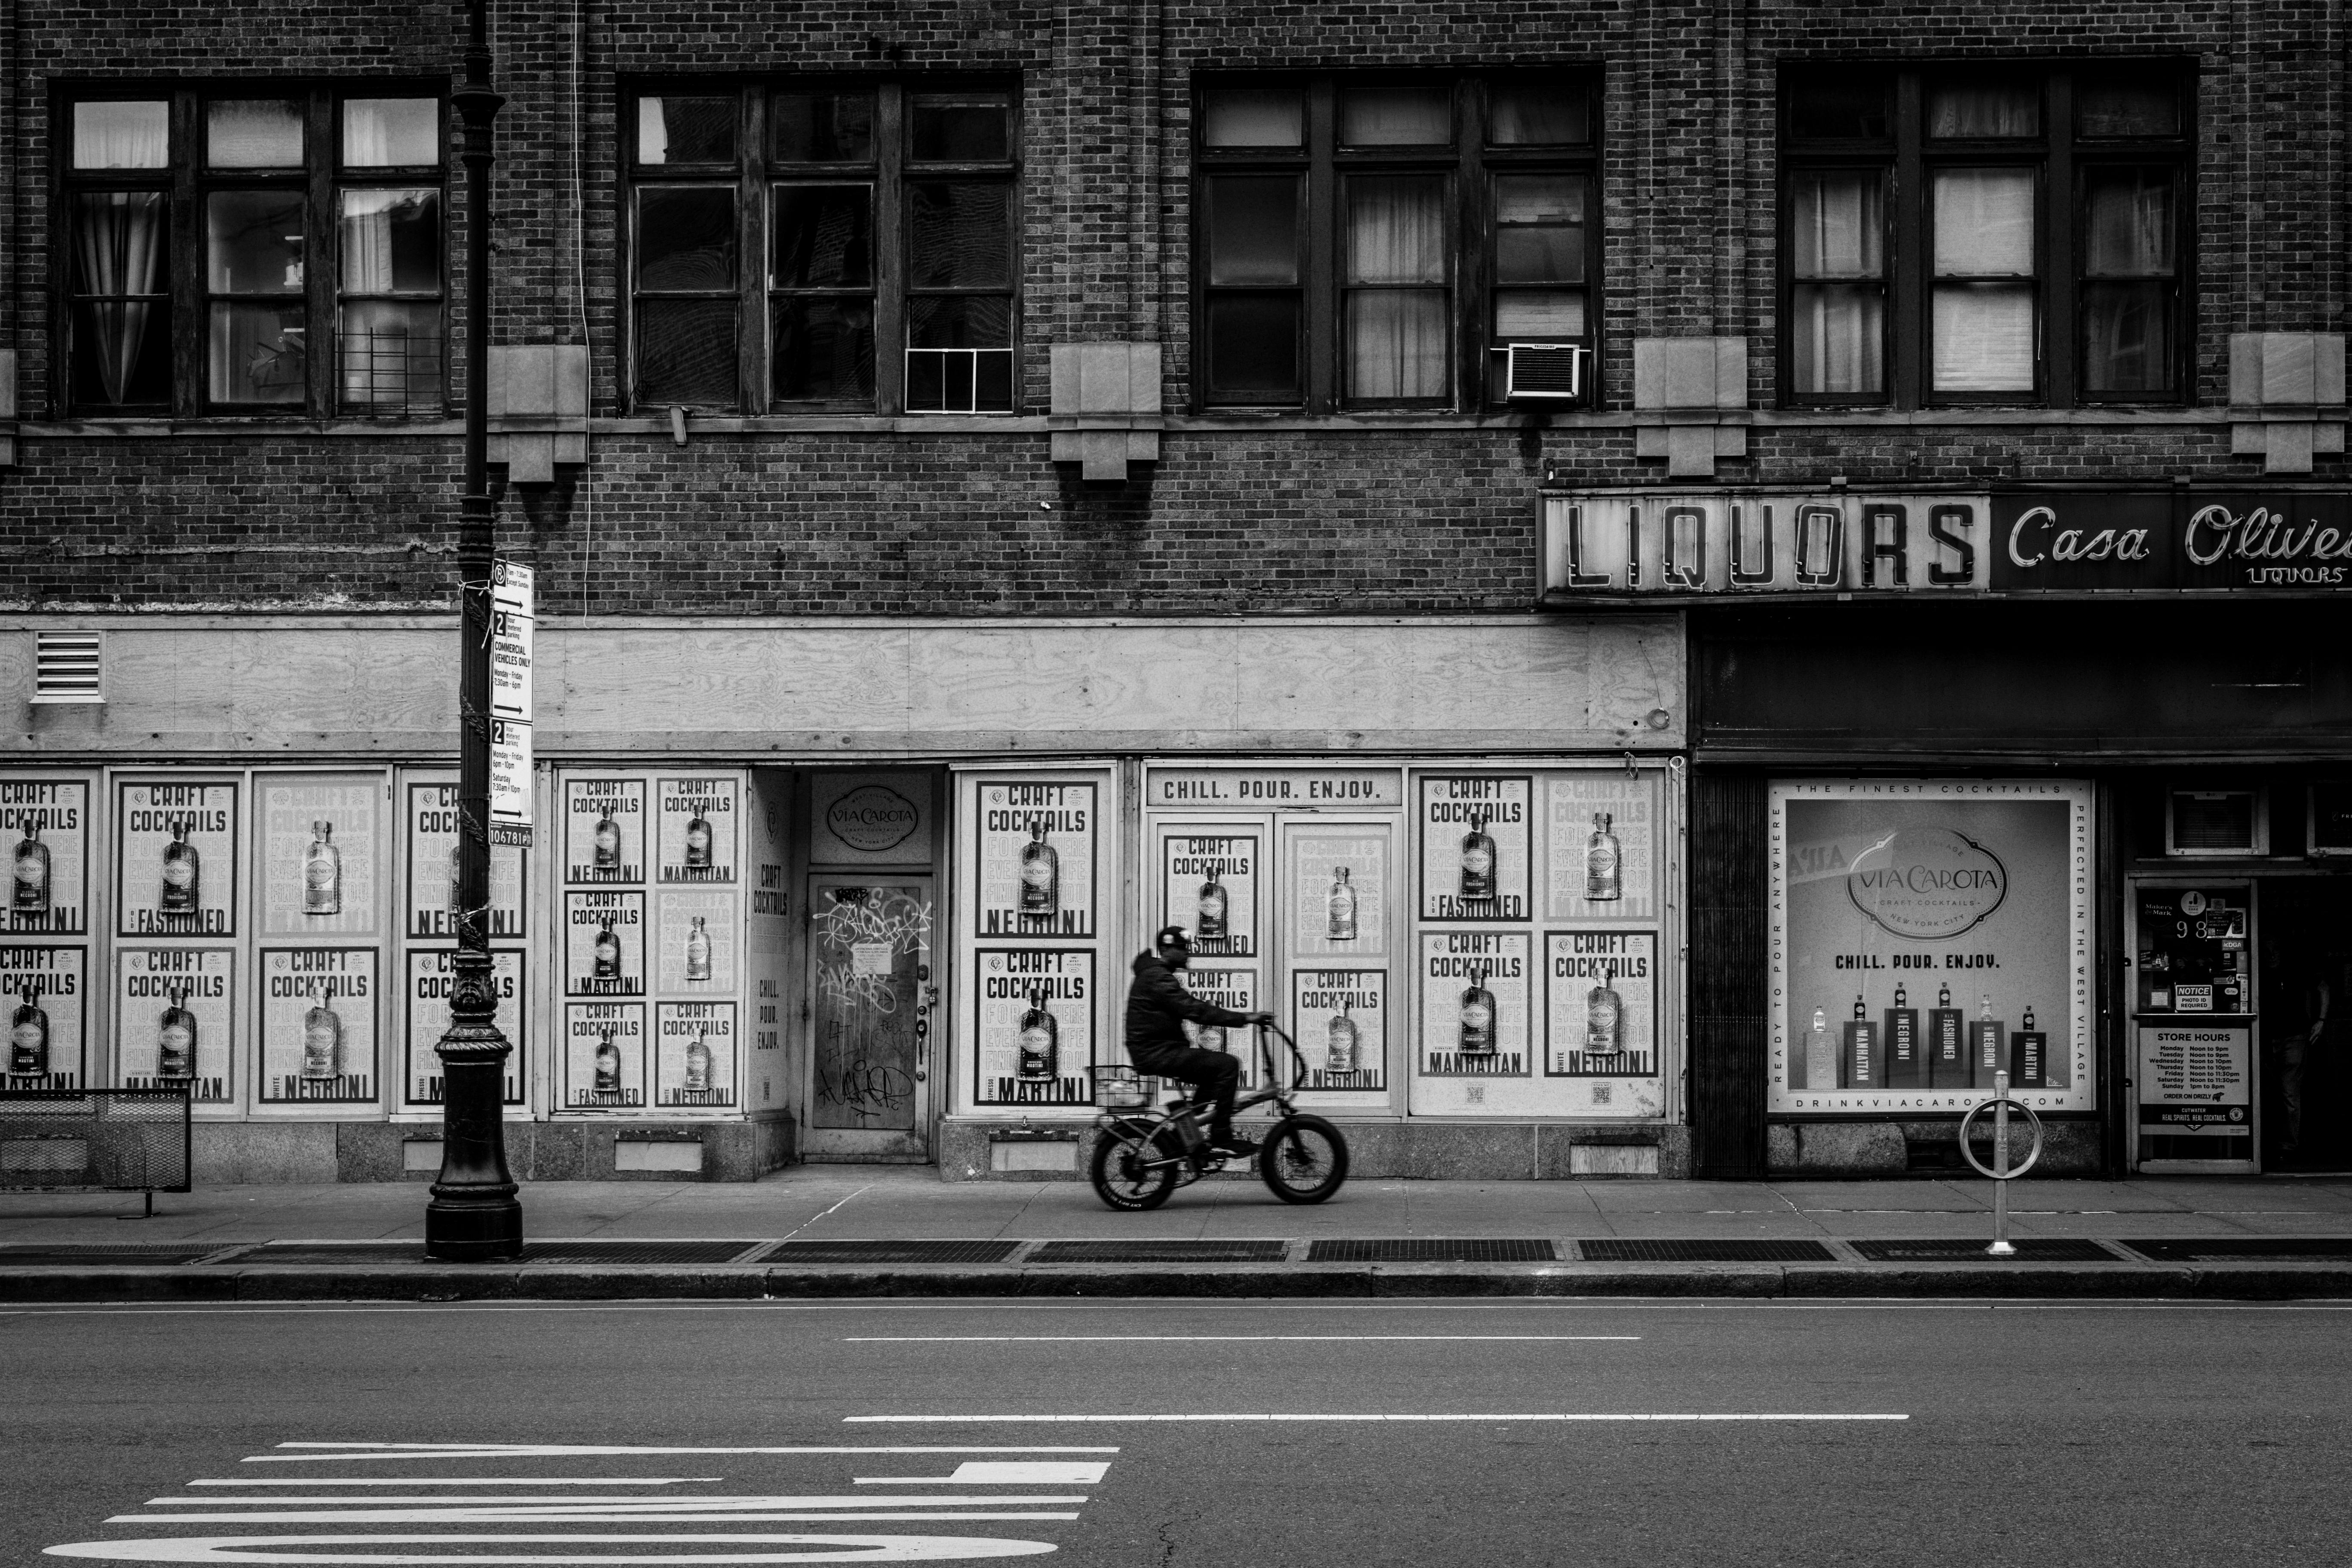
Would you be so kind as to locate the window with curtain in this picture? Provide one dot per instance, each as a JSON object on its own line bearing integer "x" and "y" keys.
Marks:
{"x": 877, "y": 267}
{"x": 316, "y": 238}
{"x": 1379, "y": 242}
{"x": 2047, "y": 209}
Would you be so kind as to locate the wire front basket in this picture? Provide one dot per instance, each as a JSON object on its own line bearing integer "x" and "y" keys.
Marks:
{"x": 1123, "y": 1088}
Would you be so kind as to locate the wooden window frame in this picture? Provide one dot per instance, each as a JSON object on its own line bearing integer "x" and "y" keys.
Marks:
{"x": 1469, "y": 164}
{"x": 2058, "y": 154}
{"x": 188, "y": 180}
{"x": 756, "y": 172}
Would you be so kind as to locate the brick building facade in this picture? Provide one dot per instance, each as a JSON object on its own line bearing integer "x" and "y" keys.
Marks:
{"x": 1206, "y": 611}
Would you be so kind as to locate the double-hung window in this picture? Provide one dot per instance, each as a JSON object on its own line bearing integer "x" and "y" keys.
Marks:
{"x": 1972, "y": 234}
{"x": 825, "y": 246}
{"x": 248, "y": 249}
{"x": 1381, "y": 242}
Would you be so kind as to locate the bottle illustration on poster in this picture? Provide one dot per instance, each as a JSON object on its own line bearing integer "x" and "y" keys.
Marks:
{"x": 1340, "y": 907}
{"x": 604, "y": 1048}
{"x": 175, "y": 1038}
{"x": 694, "y": 830}
{"x": 1339, "y": 1016}
{"x": 174, "y": 1020}
{"x": 693, "y": 1055}
{"x": 1475, "y": 1021}
{"x": 431, "y": 975}
{"x": 318, "y": 1025}
{"x": 322, "y": 873}
{"x": 183, "y": 887}
{"x": 1601, "y": 992}
{"x": 1035, "y": 859}
{"x": 604, "y": 830}
{"x": 1477, "y": 845}
{"x": 28, "y": 1036}
{"x": 176, "y": 859}
{"x": 1033, "y": 1027}
{"x": 430, "y": 898}
{"x": 48, "y": 881}
{"x": 605, "y": 943}
{"x": 1210, "y": 881}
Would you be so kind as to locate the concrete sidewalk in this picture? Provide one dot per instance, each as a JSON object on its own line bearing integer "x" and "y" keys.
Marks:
{"x": 843, "y": 1202}
{"x": 895, "y": 1230}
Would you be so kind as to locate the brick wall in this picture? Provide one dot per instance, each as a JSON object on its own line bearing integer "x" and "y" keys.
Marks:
{"x": 1333, "y": 515}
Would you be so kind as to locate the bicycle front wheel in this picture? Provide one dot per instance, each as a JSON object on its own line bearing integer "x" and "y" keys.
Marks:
{"x": 1303, "y": 1160}
{"x": 1123, "y": 1180}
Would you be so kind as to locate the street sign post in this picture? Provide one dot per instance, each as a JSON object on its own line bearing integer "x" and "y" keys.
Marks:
{"x": 511, "y": 627}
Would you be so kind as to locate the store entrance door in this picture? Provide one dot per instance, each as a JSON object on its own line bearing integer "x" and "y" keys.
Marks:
{"x": 2306, "y": 1071}
{"x": 871, "y": 996}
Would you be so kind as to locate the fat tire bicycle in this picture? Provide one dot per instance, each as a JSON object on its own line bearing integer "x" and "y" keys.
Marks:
{"x": 1143, "y": 1156}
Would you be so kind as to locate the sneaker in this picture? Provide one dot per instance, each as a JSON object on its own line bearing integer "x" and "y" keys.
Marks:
{"x": 1230, "y": 1149}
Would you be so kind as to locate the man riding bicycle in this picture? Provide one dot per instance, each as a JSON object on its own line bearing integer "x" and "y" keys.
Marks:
{"x": 1157, "y": 1007}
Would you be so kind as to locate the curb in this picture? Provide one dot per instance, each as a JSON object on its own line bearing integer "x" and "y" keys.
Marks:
{"x": 558, "y": 1282}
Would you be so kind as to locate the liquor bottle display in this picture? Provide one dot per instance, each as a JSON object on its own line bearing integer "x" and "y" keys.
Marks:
{"x": 1905, "y": 1067}
{"x": 183, "y": 873}
{"x": 1477, "y": 1018}
{"x": 1040, "y": 873}
{"x": 28, "y": 1038}
{"x": 1820, "y": 1065}
{"x": 322, "y": 872}
{"x": 30, "y": 895}
{"x": 322, "y": 1043}
{"x": 608, "y": 1063}
{"x": 1865, "y": 1066}
{"x": 697, "y": 840}
{"x": 1604, "y": 1016}
{"x": 176, "y": 1039}
{"x": 1987, "y": 1039}
{"x": 1947, "y": 1043}
{"x": 2029, "y": 1056}
{"x": 1340, "y": 908}
{"x": 607, "y": 843}
{"x": 1209, "y": 916}
{"x": 607, "y": 952}
{"x": 1604, "y": 862}
{"x": 697, "y": 950}
{"x": 1343, "y": 1043}
{"x": 1041, "y": 1042}
{"x": 698, "y": 1064}
{"x": 1477, "y": 862}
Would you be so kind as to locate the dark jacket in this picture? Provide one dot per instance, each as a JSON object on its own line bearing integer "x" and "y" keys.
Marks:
{"x": 1156, "y": 1004}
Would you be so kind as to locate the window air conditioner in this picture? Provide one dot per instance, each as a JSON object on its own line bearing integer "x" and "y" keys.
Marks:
{"x": 1544, "y": 371}
{"x": 2215, "y": 822}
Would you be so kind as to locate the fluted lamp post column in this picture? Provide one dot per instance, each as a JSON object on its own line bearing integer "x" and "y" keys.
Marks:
{"x": 475, "y": 1215}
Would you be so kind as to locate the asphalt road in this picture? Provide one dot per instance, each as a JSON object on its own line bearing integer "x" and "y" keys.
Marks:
{"x": 2072, "y": 1434}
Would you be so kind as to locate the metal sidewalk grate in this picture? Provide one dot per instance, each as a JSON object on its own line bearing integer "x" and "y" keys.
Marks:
{"x": 1972, "y": 1249}
{"x": 1620, "y": 1249}
{"x": 581, "y": 1251}
{"x": 138, "y": 1254}
{"x": 2245, "y": 1250}
{"x": 1159, "y": 1252}
{"x": 1432, "y": 1249}
{"x": 892, "y": 1252}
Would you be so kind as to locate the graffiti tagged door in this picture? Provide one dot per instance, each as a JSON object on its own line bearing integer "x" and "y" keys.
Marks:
{"x": 872, "y": 992}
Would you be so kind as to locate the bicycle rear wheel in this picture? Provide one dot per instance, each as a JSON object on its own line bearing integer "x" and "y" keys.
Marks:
{"x": 1303, "y": 1160}
{"x": 1121, "y": 1178}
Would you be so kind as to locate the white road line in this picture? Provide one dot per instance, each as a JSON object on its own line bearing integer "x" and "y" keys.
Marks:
{"x": 464, "y": 1481}
{"x": 688, "y": 1503}
{"x": 564, "y": 1516}
{"x": 1114, "y": 1303}
{"x": 975, "y": 1473}
{"x": 1209, "y": 1339}
{"x": 346, "y": 1451}
{"x": 275, "y": 1548}
{"x": 1263, "y": 1416}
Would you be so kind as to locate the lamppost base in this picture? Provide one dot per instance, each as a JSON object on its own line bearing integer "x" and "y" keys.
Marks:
{"x": 469, "y": 1229}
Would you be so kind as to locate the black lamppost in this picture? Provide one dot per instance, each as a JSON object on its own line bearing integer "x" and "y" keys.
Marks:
{"x": 475, "y": 1215}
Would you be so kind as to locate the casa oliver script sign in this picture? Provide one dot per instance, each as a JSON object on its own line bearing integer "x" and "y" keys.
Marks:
{"x": 1619, "y": 543}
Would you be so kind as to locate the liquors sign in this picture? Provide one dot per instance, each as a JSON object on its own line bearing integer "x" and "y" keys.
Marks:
{"x": 1642, "y": 543}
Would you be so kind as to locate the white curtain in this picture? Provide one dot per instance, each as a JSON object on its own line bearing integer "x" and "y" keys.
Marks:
{"x": 381, "y": 133}
{"x": 1841, "y": 226}
{"x": 1988, "y": 108}
{"x": 1840, "y": 338}
{"x": 367, "y": 239}
{"x": 1396, "y": 336}
{"x": 1984, "y": 222}
{"x": 118, "y": 240}
{"x": 113, "y": 135}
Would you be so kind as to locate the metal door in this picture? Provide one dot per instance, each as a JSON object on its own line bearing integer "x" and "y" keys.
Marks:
{"x": 871, "y": 998}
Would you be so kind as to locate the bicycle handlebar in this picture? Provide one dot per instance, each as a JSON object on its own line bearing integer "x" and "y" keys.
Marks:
{"x": 1298, "y": 1061}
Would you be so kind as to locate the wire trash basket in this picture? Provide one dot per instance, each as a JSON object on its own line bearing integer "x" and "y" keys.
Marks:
{"x": 1123, "y": 1088}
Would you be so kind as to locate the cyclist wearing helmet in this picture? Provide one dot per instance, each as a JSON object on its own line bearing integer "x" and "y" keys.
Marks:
{"x": 1158, "y": 1007}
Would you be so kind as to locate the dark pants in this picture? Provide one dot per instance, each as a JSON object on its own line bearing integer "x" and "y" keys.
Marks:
{"x": 1216, "y": 1076}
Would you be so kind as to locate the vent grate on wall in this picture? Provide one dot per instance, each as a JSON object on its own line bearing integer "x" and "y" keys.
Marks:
{"x": 67, "y": 667}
